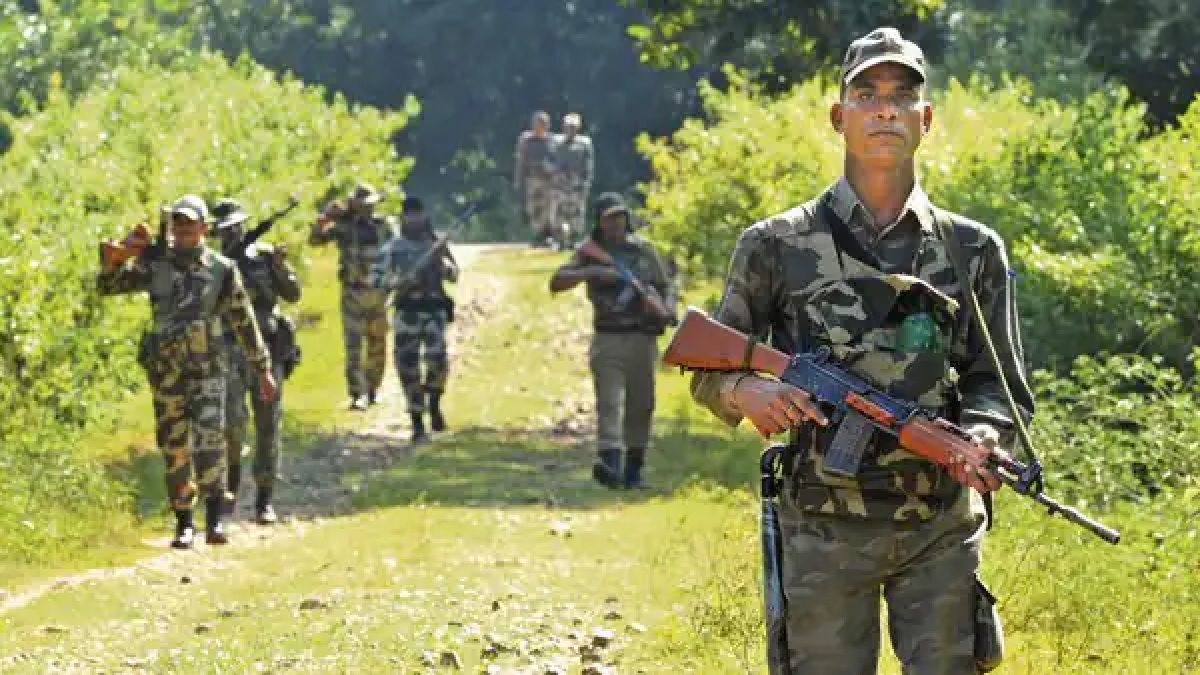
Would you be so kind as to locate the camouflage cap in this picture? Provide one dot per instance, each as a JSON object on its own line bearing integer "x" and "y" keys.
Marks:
{"x": 609, "y": 202}
{"x": 881, "y": 45}
{"x": 228, "y": 212}
{"x": 365, "y": 193}
{"x": 191, "y": 207}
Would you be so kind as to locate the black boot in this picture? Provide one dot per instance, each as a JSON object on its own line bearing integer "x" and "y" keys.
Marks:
{"x": 264, "y": 513}
{"x": 436, "y": 421}
{"x": 418, "y": 428}
{"x": 607, "y": 471}
{"x": 634, "y": 459}
{"x": 185, "y": 530}
{"x": 214, "y": 524}
{"x": 232, "y": 484}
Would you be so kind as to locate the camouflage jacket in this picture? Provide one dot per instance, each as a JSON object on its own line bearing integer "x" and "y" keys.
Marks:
{"x": 534, "y": 159}
{"x": 790, "y": 283}
{"x": 575, "y": 160}
{"x": 191, "y": 293}
{"x": 615, "y": 309}
{"x": 359, "y": 240}
{"x": 266, "y": 283}
{"x": 425, "y": 290}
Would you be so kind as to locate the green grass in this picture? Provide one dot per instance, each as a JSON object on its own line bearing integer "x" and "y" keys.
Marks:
{"x": 496, "y": 533}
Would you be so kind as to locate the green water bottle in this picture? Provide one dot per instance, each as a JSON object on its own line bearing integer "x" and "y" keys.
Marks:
{"x": 919, "y": 331}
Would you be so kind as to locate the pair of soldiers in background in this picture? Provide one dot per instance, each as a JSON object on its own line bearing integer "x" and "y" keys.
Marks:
{"x": 374, "y": 264}
{"x": 205, "y": 347}
{"x": 553, "y": 176}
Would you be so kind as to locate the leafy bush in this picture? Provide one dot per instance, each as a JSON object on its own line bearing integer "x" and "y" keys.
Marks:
{"x": 79, "y": 172}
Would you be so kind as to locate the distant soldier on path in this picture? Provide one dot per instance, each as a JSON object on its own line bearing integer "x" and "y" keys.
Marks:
{"x": 360, "y": 235}
{"x": 575, "y": 162}
{"x": 414, "y": 270}
{"x": 268, "y": 279}
{"x": 533, "y": 178}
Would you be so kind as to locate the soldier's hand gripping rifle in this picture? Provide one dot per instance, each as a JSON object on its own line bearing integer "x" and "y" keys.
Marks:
{"x": 137, "y": 243}
{"x": 700, "y": 343}
{"x": 650, "y": 298}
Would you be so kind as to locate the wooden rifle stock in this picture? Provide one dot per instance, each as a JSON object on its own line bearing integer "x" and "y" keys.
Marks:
{"x": 702, "y": 343}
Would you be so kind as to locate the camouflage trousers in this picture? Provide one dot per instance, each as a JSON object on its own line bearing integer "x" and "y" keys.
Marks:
{"x": 539, "y": 206}
{"x": 623, "y": 368}
{"x": 364, "y": 318}
{"x": 189, "y": 420}
{"x": 242, "y": 380}
{"x": 835, "y": 567}
{"x": 570, "y": 207}
{"x": 421, "y": 333}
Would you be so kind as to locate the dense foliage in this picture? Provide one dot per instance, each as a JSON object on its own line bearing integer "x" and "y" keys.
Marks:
{"x": 80, "y": 171}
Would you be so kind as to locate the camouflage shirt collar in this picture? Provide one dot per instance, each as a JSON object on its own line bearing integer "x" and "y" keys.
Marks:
{"x": 844, "y": 201}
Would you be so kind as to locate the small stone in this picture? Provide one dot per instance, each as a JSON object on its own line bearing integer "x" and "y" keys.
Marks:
{"x": 450, "y": 659}
{"x": 54, "y": 630}
{"x": 313, "y": 603}
{"x": 203, "y": 628}
{"x": 612, "y": 615}
{"x": 495, "y": 605}
{"x": 612, "y": 599}
{"x": 453, "y": 623}
{"x": 602, "y": 637}
{"x": 635, "y": 628}
{"x": 227, "y": 613}
{"x": 185, "y": 579}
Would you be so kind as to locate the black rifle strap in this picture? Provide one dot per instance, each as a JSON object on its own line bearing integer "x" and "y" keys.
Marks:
{"x": 843, "y": 239}
{"x": 749, "y": 353}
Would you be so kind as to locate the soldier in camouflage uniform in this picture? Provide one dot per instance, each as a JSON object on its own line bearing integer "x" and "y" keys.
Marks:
{"x": 854, "y": 270}
{"x": 192, "y": 291}
{"x": 533, "y": 178}
{"x": 360, "y": 235}
{"x": 413, "y": 271}
{"x": 575, "y": 161}
{"x": 268, "y": 278}
{"x": 624, "y": 350}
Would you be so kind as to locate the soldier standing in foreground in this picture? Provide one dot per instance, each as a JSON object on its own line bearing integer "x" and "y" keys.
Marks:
{"x": 575, "y": 161}
{"x": 864, "y": 270}
{"x": 533, "y": 178}
{"x": 194, "y": 293}
{"x": 628, "y": 315}
{"x": 360, "y": 235}
{"x": 268, "y": 278}
{"x": 414, "y": 268}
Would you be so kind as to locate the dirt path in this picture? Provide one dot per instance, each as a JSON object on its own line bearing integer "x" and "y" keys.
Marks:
{"x": 322, "y": 481}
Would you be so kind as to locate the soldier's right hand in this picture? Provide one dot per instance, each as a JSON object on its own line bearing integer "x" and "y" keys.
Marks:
{"x": 774, "y": 406}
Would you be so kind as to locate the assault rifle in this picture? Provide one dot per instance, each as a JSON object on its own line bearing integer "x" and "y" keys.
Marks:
{"x": 434, "y": 252}
{"x": 700, "y": 343}
{"x": 137, "y": 243}
{"x": 264, "y": 227}
{"x": 632, "y": 286}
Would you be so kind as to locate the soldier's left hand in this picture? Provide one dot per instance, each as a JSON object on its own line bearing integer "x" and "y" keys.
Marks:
{"x": 973, "y": 470}
{"x": 267, "y": 386}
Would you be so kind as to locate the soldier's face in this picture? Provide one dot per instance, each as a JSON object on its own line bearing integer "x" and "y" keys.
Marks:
{"x": 540, "y": 126}
{"x": 883, "y": 115}
{"x": 613, "y": 225}
{"x": 187, "y": 233}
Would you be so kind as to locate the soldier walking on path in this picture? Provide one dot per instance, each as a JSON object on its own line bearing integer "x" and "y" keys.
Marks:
{"x": 413, "y": 269}
{"x": 194, "y": 294}
{"x": 268, "y": 279}
{"x": 575, "y": 162}
{"x": 359, "y": 235}
{"x": 628, "y": 316}
{"x": 533, "y": 180}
